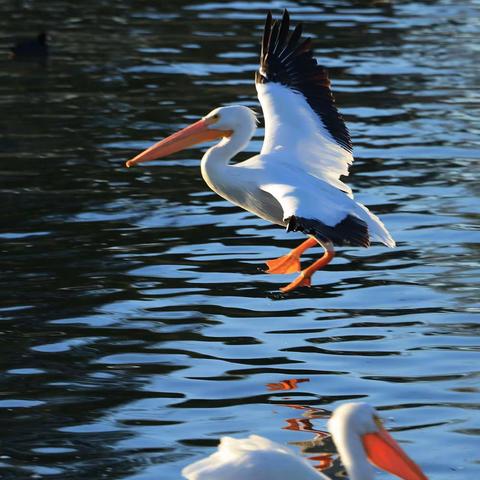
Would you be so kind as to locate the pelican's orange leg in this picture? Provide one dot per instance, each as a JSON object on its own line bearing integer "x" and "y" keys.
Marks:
{"x": 304, "y": 279}
{"x": 290, "y": 263}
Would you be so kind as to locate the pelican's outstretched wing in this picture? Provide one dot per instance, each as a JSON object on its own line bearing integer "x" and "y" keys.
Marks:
{"x": 301, "y": 120}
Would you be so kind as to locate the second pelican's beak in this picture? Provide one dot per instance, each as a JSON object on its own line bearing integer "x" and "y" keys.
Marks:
{"x": 384, "y": 452}
{"x": 197, "y": 133}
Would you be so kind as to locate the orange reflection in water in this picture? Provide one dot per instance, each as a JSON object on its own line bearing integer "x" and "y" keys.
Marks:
{"x": 304, "y": 424}
{"x": 289, "y": 384}
{"x": 324, "y": 461}
{"x": 321, "y": 461}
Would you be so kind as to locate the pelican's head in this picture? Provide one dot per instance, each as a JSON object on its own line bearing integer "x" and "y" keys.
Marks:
{"x": 231, "y": 118}
{"x": 219, "y": 123}
{"x": 358, "y": 432}
{"x": 358, "y": 418}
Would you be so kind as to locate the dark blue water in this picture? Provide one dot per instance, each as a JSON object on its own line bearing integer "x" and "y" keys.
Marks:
{"x": 137, "y": 326}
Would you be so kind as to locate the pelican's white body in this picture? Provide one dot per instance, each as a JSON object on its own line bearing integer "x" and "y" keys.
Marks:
{"x": 297, "y": 172}
{"x": 258, "y": 458}
{"x": 252, "y": 458}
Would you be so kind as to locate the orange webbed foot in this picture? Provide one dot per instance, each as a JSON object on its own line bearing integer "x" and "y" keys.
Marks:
{"x": 289, "y": 263}
{"x": 301, "y": 281}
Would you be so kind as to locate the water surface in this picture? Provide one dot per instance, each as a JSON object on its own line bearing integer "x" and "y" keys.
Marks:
{"x": 137, "y": 324}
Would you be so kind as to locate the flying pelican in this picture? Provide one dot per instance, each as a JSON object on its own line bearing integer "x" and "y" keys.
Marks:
{"x": 295, "y": 180}
{"x": 356, "y": 430}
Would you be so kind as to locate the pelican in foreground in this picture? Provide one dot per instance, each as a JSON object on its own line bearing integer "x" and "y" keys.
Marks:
{"x": 356, "y": 430}
{"x": 295, "y": 180}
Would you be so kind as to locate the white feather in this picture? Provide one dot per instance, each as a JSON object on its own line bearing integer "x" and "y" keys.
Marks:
{"x": 252, "y": 458}
{"x": 314, "y": 199}
{"x": 293, "y": 127}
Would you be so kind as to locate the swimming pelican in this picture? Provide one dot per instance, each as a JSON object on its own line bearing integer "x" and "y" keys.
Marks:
{"x": 295, "y": 180}
{"x": 356, "y": 430}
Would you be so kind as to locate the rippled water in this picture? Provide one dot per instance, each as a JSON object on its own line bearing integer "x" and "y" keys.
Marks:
{"x": 137, "y": 324}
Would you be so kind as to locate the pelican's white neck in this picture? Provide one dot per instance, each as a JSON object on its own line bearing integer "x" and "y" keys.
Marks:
{"x": 354, "y": 459}
{"x": 348, "y": 423}
{"x": 217, "y": 158}
{"x": 228, "y": 147}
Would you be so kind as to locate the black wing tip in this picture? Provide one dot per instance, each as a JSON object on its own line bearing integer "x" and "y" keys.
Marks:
{"x": 350, "y": 231}
{"x": 287, "y": 58}
{"x": 269, "y": 40}
{"x": 268, "y": 22}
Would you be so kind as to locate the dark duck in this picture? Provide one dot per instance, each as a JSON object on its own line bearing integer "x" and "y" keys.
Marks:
{"x": 31, "y": 48}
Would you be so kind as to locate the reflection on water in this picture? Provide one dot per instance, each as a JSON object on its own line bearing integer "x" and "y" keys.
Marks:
{"x": 314, "y": 447}
{"x": 136, "y": 329}
{"x": 299, "y": 424}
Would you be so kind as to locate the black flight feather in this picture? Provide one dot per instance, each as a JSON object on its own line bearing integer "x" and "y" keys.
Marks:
{"x": 288, "y": 60}
{"x": 350, "y": 231}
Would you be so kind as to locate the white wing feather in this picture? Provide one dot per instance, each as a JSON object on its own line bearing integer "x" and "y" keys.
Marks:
{"x": 293, "y": 127}
{"x": 316, "y": 199}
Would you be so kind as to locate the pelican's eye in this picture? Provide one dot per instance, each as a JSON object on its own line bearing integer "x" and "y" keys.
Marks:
{"x": 378, "y": 421}
{"x": 215, "y": 117}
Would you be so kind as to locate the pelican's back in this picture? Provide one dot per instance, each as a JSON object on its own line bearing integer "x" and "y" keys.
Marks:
{"x": 255, "y": 458}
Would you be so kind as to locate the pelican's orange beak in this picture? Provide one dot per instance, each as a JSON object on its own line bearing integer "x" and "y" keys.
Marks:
{"x": 197, "y": 133}
{"x": 384, "y": 452}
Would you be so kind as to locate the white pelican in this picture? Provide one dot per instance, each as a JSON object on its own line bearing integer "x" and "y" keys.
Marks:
{"x": 356, "y": 430}
{"x": 295, "y": 180}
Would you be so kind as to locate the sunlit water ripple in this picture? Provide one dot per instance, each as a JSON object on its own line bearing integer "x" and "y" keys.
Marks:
{"x": 138, "y": 325}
